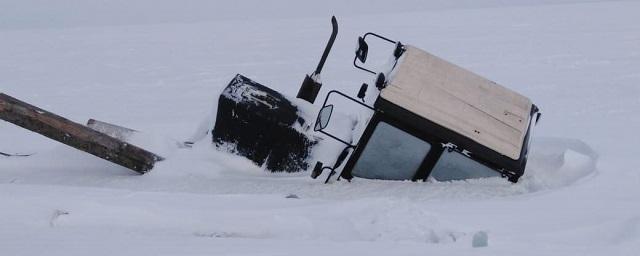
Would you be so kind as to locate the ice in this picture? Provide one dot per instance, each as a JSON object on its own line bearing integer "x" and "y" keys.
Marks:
{"x": 480, "y": 239}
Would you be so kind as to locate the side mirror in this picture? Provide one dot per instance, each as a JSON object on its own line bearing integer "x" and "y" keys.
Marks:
{"x": 363, "y": 49}
{"x": 381, "y": 81}
{"x": 362, "y": 92}
{"x": 399, "y": 50}
{"x": 317, "y": 170}
{"x": 323, "y": 118}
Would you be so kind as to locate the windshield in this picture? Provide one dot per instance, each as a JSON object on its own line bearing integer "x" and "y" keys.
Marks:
{"x": 391, "y": 154}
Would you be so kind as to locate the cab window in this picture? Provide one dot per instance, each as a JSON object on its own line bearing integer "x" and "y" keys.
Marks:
{"x": 453, "y": 165}
{"x": 391, "y": 154}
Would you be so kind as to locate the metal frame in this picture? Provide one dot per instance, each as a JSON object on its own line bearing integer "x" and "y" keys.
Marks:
{"x": 324, "y": 104}
{"x": 364, "y": 39}
{"x": 319, "y": 168}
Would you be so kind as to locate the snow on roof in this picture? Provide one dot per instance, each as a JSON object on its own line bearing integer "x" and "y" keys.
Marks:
{"x": 460, "y": 100}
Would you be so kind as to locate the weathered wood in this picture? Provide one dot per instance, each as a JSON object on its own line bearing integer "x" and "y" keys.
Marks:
{"x": 76, "y": 135}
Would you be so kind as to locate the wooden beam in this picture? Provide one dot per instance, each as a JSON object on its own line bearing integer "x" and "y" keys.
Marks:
{"x": 76, "y": 135}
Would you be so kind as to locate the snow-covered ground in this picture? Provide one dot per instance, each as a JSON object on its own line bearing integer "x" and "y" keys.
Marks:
{"x": 159, "y": 66}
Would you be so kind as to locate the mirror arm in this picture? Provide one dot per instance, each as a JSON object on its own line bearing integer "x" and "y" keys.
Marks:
{"x": 324, "y": 104}
{"x": 316, "y": 173}
{"x": 355, "y": 64}
{"x": 346, "y": 96}
{"x": 397, "y": 53}
{"x": 333, "y": 172}
{"x": 379, "y": 36}
{"x": 338, "y": 139}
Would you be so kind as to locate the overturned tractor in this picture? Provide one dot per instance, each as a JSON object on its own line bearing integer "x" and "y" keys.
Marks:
{"x": 430, "y": 119}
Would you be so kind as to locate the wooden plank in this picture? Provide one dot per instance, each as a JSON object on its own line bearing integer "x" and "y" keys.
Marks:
{"x": 76, "y": 135}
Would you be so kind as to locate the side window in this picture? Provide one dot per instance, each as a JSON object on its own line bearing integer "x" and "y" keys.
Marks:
{"x": 391, "y": 154}
{"x": 456, "y": 166}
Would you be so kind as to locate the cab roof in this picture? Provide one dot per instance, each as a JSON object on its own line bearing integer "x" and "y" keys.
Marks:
{"x": 460, "y": 100}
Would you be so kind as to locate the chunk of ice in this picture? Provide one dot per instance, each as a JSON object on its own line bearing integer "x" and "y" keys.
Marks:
{"x": 480, "y": 239}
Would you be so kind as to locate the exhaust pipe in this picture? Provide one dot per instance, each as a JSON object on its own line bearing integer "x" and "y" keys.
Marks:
{"x": 311, "y": 85}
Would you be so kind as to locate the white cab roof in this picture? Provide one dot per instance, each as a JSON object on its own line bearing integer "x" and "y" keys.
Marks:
{"x": 460, "y": 100}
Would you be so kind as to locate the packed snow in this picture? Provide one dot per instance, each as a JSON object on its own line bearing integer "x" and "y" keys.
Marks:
{"x": 158, "y": 67}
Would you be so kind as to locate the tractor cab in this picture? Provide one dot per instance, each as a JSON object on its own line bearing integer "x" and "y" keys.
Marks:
{"x": 433, "y": 120}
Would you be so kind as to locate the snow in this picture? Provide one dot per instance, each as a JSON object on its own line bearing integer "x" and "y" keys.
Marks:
{"x": 159, "y": 66}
